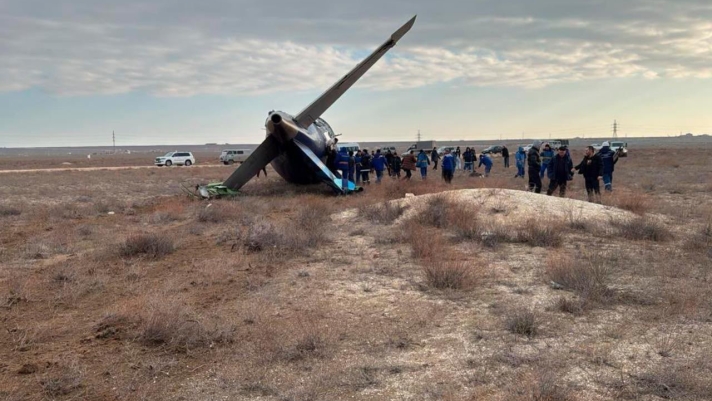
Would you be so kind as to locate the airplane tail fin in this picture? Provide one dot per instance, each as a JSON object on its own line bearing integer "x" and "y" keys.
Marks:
{"x": 320, "y": 105}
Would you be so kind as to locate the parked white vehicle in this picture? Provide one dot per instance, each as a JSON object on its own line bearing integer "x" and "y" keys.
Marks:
{"x": 230, "y": 156}
{"x": 350, "y": 146}
{"x": 177, "y": 158}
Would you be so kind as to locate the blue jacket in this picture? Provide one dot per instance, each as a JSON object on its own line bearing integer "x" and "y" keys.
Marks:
{"x": 422, "y": 160}
{"x": 484, "y": 159}
{"x": 608, "y": 159}
{"x": 342, "y": 161}
{"x": 546, "y": 156}
{"x": 448, "y": 162}
{"x": 378, "y": 162}
{"x": 520, "y": 157}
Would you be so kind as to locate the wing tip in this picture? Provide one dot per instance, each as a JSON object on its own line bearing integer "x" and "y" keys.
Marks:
{"x": 397, "y": 35}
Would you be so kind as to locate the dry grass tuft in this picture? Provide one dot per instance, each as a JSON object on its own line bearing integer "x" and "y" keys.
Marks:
{"x": 447, "y": 275}
{"x": 676, "y": 382}
{"x": 643, "y": 229}
{"x": 547, "y": 388}
{"x": 425, "y": 244}
{"x": 522, "y": 322}
{"x": 63, "y": 383}
{"x": 538, "y": 233}
{"x": 168, "y": 324}
{"x": 701, "y": 240}
{"x": 588, "y": 277}
{"x": 149, "y": 245}
{"x": 637, "y": 203}
{"x": 384, "y": 213}
{"x": 6, "y": 211}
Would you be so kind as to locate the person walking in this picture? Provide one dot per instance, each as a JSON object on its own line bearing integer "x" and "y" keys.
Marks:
{"x": 448, "y": 166}
{"x": 560, "y": 167}
{"x": 342, "y": 164}
{"x": 505, "y": 156}
{"x": 409, "y": 162}
{"x": 389, "y": 162}
{"x": 592, "y": 169}
{"x": 423, "y": 163}
{"x": 352, "y": 166}
{"x": 546, "y": 156}
{"x": 264, "y": 170}
{"x": 396, "y": 166}
{"x": 487, "y": 161}
{"x": 379, "y": 164}
{"x": 521, "y": 159}
{"x": 434, "y": 157}
{"x": 365, "y": 167}
{"x": 534, "y": 165}
{"x": 609, "y": 158}
{"x": 357, "y": 166}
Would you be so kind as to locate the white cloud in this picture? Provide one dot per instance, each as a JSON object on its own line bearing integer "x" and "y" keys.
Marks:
{"x": 173, "y": 49}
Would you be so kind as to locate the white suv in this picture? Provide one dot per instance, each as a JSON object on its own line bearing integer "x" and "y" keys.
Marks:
{"x": 178, "y": 158}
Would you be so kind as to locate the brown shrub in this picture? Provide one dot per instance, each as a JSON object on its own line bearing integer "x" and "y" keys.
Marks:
{"x": 522, "y": 322}
{"x": 677, "y": 381}
{"x": 384, "y": 213}
{"x": 425, "y": 244}
{"x": 567, "y": 305}
{"x": 538, "y": 233}
{"x": 149, "y": 245}
{"x": 637, "y": 203}
{"x": 63, "y": 383}
{"x": 6, "y": 211}
{"x": 643, "y": 228}
{"x": 587, "y": 276}
{"x": 436, "y": 213}
{"x": 447, "y": 275}
{"x": 701, "y": 240}
{"x": 547, "y": 388}
{"x": 169, "y": 324}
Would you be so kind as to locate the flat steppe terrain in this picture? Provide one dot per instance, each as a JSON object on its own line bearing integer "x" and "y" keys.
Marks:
{"x": 116, "y": 286}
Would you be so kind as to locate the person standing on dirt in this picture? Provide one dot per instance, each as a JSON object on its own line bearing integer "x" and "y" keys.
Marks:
{"x": 365, "y": 167}
{"x": 546, "y": 156}
{"x": 396, "y": 166}
{"x": 469, "y": 158}
{"x": 448, "y": 166}
{"x": 592, "y": 169}
{"x": 487, "y": 161}
{"x": 434, "y": 157}
{"x": 534, "y": 164}
{"x": 560, "y": 167}
{"x": 264, "y": 170}
{"x": 352, "y": 166}
{"x": 379, "y": 164}
{"x": 357, "y": 166}
{"x": 389, "y": 162}
{"x": 505, "y": 156}
{"x": 409, "y": 162}
{"x": 342, "y": 163}
{"x": 457, "y": 156}
{"x": 423, "y": 163}
{"x": 521, "y": 159}
{"x": 609, "y": 158}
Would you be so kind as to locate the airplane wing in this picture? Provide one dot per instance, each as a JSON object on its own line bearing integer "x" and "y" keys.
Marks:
{"x": 260, "y": 158}
{"x": 322, "y": 171}
{"x": 320, "y": 105}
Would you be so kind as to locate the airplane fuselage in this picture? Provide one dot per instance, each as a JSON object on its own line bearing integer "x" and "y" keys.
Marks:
{"x": 290, "y": 164}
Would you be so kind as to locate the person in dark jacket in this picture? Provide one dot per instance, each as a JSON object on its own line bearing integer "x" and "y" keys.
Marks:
{"x": 521, "y": 158}
{"x": 591, "y": 168}
{"x": 609, "y": 158}
{"x": 409, "y": 162}
{"x": 469, "y": 157}
{"x": 389, "y": 162}
{"x": 365, "y": 166}
{"x": 357, "y": 166}
{"x": 379, "y": 164}
{"x": 505, "y": 156}
{"x": 352, "y": 166}
{"x": 342, "y": 163}
{"x": 434, "y": 157}
{"x": 487, "y": 161}
{"x": 534, "y": 167}
{"x": 396, "y": 165}
{"x": 560, "y": 167}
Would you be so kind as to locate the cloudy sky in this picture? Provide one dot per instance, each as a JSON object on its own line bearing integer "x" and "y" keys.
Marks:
{"x": 186, "y": 71}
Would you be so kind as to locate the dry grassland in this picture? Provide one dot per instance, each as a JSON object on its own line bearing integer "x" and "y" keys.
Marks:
{"x": 288, "y": 293}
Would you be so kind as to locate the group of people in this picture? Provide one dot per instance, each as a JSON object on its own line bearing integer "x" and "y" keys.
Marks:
{"x": 559, "y": 168}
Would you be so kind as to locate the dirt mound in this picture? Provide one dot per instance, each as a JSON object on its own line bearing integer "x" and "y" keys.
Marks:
{"x": 511, "y": 205}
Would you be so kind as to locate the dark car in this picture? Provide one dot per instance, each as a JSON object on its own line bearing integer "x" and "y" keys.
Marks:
{"x": 492, "y": 150}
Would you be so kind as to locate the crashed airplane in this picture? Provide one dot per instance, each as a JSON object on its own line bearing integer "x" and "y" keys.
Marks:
{"x": 296, "y": 146}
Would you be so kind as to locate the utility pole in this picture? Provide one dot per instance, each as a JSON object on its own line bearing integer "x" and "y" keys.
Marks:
{"x": 615, "y": 129}
{"x": 418, "y": 135}
{"x": 113, "y": 139}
